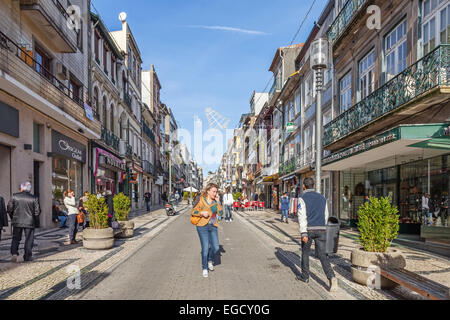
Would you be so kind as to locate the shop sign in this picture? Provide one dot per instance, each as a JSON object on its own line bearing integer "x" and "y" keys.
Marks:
{"x": 290, "y": 127}
{"x": 367, "y": 145}
{"x": 137, "y": 168}
{"x": 68, "y": 147}
{"x": 105, "y": 158}
{"x": 159, "y": 181}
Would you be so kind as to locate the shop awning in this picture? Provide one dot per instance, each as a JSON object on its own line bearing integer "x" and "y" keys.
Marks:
{"x": 271, "y": 178}
{"x": 401, "y": 144}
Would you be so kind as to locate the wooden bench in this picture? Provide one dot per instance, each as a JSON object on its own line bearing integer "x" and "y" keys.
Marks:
{"x": 425, "y": 287}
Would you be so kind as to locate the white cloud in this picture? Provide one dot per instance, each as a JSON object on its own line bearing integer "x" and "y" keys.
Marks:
{"x": 224, "y": 28}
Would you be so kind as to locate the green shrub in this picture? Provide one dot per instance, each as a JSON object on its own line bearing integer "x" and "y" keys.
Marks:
{"x": 98, "y": 212}
{"x": 121, "y": 207}
{"x": 237, "y": 195}
{"x": 185, "y": 195}
{"x": 378, "y": 224}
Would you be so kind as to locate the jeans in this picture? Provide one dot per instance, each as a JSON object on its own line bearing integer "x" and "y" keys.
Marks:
{"x": 29, "y": 240}
{"x": 228, "y": 212}
{"x": 319, "y": 238}
{"x": 73, "y": 226}
{"x": 209, "y": 240}
{"x": 427, "y": 214}
{"x": 285, "y": 213}
{"x": 62, "y": 221}
{"x": 148, "y": 205}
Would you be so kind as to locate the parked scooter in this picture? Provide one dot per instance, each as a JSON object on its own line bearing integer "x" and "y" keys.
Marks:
{"x": 170, "y": 207}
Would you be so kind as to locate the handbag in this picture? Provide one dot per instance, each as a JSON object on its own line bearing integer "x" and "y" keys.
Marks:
{"x": 81, "y": 216}
{"x": 195, "y": 220}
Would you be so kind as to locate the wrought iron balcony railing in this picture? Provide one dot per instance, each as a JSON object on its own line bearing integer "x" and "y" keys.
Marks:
{"x": 127, "y": 100}
{"x": 299, "y": 161}
{"x": 431, "y": 71}
{"x": 148, "y": 132}
{"x": 344, "y": 17}
{"x": 148, "y": 167}
{"x": 110, "y": 139}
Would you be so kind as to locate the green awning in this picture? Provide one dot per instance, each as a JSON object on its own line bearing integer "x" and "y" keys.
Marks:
{"x": 435, "y": 143}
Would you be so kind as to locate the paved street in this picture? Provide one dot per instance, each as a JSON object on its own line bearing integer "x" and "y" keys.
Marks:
{"x": 259, "y": 259}
{"x": 169, "y": 267}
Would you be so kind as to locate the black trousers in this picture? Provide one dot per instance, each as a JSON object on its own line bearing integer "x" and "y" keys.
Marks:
{"x": 29, "y": 241}
{"x": 319, "y": 238}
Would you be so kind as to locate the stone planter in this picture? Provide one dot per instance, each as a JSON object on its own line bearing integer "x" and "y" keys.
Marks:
{"x": 98, "y": 239}
{"x": 363, "y": 262}
{"x": 127, "y": 228}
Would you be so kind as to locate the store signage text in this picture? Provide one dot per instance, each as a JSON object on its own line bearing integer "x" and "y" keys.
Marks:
{"x": 114, "y": 163}
{"x": 364, "y": 146}
{"x": 68, "y": 147}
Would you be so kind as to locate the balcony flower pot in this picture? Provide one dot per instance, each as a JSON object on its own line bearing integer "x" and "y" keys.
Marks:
{"x": 99, "y": 236}
{"x": 378, "y": 226}
{"x": 122, "y": 205}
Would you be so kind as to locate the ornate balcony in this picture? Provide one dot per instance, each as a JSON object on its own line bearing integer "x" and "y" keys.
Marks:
{"x": 408, "y": 93}
{"x": 148, "y": 167}
{"x": 342, "y": 21}
{"x": 110, "y": 139}
{"x": 51, "y": 18}
{"x": 125, "y": 149}
{"x": 23, "y": 74}
{"x": 148, "y": 132}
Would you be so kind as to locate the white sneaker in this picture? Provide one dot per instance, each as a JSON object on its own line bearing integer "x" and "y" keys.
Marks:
{"x": 205, "y": 273}
{"x": 231, "y": 220}
{"x": 210, "y": 266}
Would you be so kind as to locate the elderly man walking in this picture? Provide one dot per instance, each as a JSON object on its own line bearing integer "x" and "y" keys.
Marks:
{"x": 313, "y": 218}
{"x": 24, "y": 211}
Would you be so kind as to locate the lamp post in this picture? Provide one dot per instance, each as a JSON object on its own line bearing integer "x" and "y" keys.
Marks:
{"x": 318, "y": 62}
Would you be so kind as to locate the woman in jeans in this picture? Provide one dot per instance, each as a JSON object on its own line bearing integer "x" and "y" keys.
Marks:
{"x": 72, "y": 208}
{"x": 285, "y": 207}
{"x": 208, "y": 210}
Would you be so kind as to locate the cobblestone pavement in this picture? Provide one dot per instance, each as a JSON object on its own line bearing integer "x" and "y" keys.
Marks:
{"x": 54, "y": 261}
{"x": 432, "y": 266}
{"x": 250, "y": 266}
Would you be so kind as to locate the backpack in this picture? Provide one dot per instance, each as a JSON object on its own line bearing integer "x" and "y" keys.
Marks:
{"x": 81, "y": 216}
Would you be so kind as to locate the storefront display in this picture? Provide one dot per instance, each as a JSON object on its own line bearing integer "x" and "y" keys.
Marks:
{"x": 67, "y": 166}
{"x": 108, "y": 171}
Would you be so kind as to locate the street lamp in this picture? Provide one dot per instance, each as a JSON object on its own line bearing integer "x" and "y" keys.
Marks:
{"x": 318, "y": 62}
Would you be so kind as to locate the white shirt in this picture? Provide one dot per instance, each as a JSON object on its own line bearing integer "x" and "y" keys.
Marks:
{"x": 425, "y": 203}
{"x": 228, "y": 199}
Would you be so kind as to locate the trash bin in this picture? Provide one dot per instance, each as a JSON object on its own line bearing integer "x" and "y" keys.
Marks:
{"x": 332, "y": 241}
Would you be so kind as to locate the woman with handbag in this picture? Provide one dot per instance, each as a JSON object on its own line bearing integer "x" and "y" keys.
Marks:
{"x": 72, "y": 215}
{"x": 205, "y": 216}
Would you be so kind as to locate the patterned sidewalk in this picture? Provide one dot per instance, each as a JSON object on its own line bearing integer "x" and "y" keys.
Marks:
{"x": 54, "y": 261}
{"x": 429, "y": 265}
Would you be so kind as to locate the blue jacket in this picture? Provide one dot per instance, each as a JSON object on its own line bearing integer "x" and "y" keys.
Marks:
{"x": 284, "y": 203}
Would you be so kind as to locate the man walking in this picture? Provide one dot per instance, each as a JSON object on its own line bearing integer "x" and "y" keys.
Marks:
{"x": 24, "y": 211}
{"x": 3, "y": 216}
{"x": 313, "y": 218}
{"x": 228, "y": 202}
{"x": 147, "y": 197}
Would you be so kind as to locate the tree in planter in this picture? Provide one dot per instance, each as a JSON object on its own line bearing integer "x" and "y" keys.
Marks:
{"x": 236, "y": 196}
{"x": 121, "y": 207}
{"x": 378, "y": 224}
{"x": 98, "y": 212}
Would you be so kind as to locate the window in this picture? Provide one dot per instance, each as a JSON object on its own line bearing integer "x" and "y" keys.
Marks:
{"x": 111, "y": 119}
{"x": 308, "y": 91}
{"x": 326, "y": 117}
{"x": 105, "y": 59}
{"x": 345, "y": 92}
{"x": 43, "y": 62}
{"x": 95, "y": 99}
{"x": 37, "y": 137}
{"x": 129, "y": 59}
{"x": 291, "y": 110}
{"x": 113, "y": 73}
{"x": 298, "y": 107}
{"x": 75, "y": 90}
{"x": 366, "y": 75}
{"x": 80, "y": 36}
{"x": 96, "y": 47}
{"x": 104, "y": 112}
{"x": 395, "y": 45}
{"x": 436, "y": 24}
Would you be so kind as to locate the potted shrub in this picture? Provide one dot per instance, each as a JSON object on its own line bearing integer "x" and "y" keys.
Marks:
{"x": 378, "y": 226}
{"x": 122, "y": 206}
{"x": 98, "y": 236}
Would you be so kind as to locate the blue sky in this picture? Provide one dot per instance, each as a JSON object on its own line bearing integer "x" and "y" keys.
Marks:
{"x": 211, "y": 53}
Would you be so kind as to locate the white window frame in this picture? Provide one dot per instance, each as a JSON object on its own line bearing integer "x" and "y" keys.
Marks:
{"x": 436, "y": 24}
{"x": 394, "y": 47}
{"x": 366, "y": 70}
{"x": 298, "y": 105}
{"x": 345, "y": 92}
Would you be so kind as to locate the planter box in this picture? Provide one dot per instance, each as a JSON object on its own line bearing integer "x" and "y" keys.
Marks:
{"x": 127, "y": 229}
{"x": 98, "y": 239}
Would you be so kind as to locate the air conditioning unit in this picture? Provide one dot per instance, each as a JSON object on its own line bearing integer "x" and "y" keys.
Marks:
{"x": 62, "y": 73}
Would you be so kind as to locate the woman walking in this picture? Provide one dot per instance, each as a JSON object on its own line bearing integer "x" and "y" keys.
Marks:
{"x": 72, "y": 213}
{"x": 205, "y": 216}
{"x": 285, "y": 207}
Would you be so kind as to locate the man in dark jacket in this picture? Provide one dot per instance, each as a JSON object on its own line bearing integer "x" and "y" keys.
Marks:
{"x": 24, "y": 211}
{"x": 3, "y": 216}
{"x": 313, "y": 219}
{"x": 110, "y": 203}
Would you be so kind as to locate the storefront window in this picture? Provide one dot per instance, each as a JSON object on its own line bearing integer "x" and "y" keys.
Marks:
{"x": 67, "y": 174}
